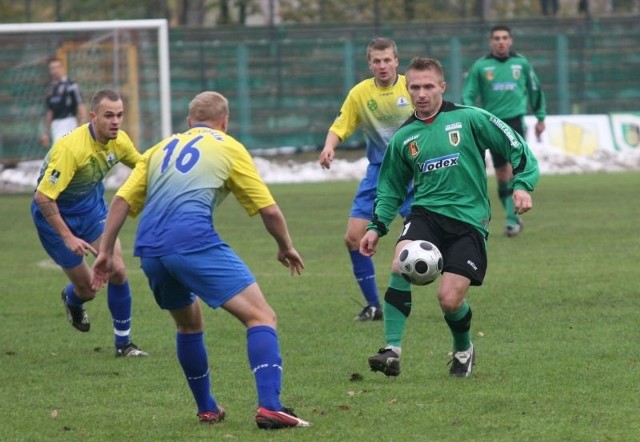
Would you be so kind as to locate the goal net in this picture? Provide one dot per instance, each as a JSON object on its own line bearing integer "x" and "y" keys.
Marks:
{"x": 130, "y": 56}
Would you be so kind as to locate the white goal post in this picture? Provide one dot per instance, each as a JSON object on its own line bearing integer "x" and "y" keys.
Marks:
{"x": 131, "y": 56}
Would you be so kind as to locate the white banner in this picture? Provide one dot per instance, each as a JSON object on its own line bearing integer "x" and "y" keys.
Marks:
{"x": 573, "y": 134}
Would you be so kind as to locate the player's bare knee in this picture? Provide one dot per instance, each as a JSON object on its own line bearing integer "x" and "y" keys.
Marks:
{"x": 188, "y": 326}
{"x": 119, "y": 275}
{"x": 264, "y": 316}
{"x": 449, "y": 303}
{"x": 352, "y": 242}
{"x": 267, "y": 317}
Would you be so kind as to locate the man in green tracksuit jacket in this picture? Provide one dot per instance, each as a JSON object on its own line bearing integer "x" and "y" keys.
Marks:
{"x": 441, "y": 149}
{"x": 506, "y": 83}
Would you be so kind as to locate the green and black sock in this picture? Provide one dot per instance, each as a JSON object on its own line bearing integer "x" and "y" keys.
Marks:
{"x": 397, "y": 307}
{"x": 459, "y": 323}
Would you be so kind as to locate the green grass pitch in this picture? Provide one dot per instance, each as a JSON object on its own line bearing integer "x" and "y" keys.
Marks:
{"x": 555, "y": 328}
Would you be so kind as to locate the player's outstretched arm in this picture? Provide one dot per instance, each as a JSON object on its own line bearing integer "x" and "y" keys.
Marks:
{"x": 276, "y": 225}
{"x": 103, "y": 265}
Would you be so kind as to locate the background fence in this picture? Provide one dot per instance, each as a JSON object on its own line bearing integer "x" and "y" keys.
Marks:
{"x": 286, "y": 84}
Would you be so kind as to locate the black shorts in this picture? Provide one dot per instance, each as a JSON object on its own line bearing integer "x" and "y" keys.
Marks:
{"x": 462, "y": 245}
{"x": 516, "y": 124}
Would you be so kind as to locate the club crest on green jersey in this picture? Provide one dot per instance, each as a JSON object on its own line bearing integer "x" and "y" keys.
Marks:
{"x": 454, "y": 138}
{"x": 490, "y": 74}
{"x": 516, "y": 71}
{"x": 454, "y": 135}
{"x": 413, "y": 149}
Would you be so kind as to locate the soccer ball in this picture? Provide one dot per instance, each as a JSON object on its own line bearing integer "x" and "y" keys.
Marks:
{"x": 420, "y": 262}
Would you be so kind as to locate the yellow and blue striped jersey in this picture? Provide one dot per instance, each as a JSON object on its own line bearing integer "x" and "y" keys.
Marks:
{"x": 75, "y": 166}
{"x": 178, "y": 184}
{"x": 378, "y": 111}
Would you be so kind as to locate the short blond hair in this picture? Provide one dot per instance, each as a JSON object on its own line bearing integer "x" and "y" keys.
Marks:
{"x": 208, "y": 106}
{"x": 425, "y": 64}
{"x": 102, "y": 94}
{"x": 380, "y": 44}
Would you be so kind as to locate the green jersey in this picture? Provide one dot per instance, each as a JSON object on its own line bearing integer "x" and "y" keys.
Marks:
{"x": 505, "y": 86}
{"x": 445, "y": 158}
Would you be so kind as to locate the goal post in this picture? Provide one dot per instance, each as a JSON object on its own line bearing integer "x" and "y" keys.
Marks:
{"x": 130, "y": 56}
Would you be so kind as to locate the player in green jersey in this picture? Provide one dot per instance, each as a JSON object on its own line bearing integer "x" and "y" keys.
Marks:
{"x": 506, "y": 83}
{"x": 441, "y": 148}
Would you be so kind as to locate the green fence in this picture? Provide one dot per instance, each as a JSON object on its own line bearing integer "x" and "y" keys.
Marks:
{"x": 285, "y": 85}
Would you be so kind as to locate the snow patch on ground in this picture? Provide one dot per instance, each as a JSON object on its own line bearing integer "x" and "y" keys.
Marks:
{"x": 551, "y": 161}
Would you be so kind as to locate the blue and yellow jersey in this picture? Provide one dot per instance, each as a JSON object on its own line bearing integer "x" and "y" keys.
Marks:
{"x": 73, "y": 169}
{"x": 180, "y": 181}
{"x": 378, "y": 111}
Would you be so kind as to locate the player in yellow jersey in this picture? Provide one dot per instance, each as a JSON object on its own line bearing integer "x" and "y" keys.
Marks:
{"x": 378, "y": 106}
{"x": 180, "y": 182}
{"x": 69, "y": 211}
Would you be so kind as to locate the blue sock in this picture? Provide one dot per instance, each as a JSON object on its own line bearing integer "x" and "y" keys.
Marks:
{"x": 192, "y": 356}
{"x": 266, "y": 364}
{"x": 72, "y": 298}
{"x": 365, "y": 274}
{"x": 119, "y": 300}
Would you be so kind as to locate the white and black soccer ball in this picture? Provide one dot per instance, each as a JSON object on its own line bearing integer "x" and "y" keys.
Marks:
{"x": 420, "y": 262}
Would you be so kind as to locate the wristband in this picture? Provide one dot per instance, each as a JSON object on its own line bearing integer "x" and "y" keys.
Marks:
{"x": 378, "y": 226}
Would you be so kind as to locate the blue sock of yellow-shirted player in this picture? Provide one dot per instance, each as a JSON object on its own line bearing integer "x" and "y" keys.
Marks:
{"x": 192, "y": 355}
{"x": 119, "y": 301}
{"x": 397, "y": 307}
{"x": 72, "y": 298}
{"x": 365, "y": 273}
{"x": 265, "y": 361}
{"x": 460, "y": 323}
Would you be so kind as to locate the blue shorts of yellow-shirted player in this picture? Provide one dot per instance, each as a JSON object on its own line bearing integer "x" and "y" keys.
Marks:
{"x": 216, "y": 274}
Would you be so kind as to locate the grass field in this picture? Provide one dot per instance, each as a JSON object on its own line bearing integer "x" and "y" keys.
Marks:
{"x": 555, "y": 328}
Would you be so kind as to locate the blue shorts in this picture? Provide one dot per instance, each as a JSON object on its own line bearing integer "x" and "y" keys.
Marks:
{"x": 87, "y": 226}
{"x": 215, "y": 275}
{"x": 365, "y": 197}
